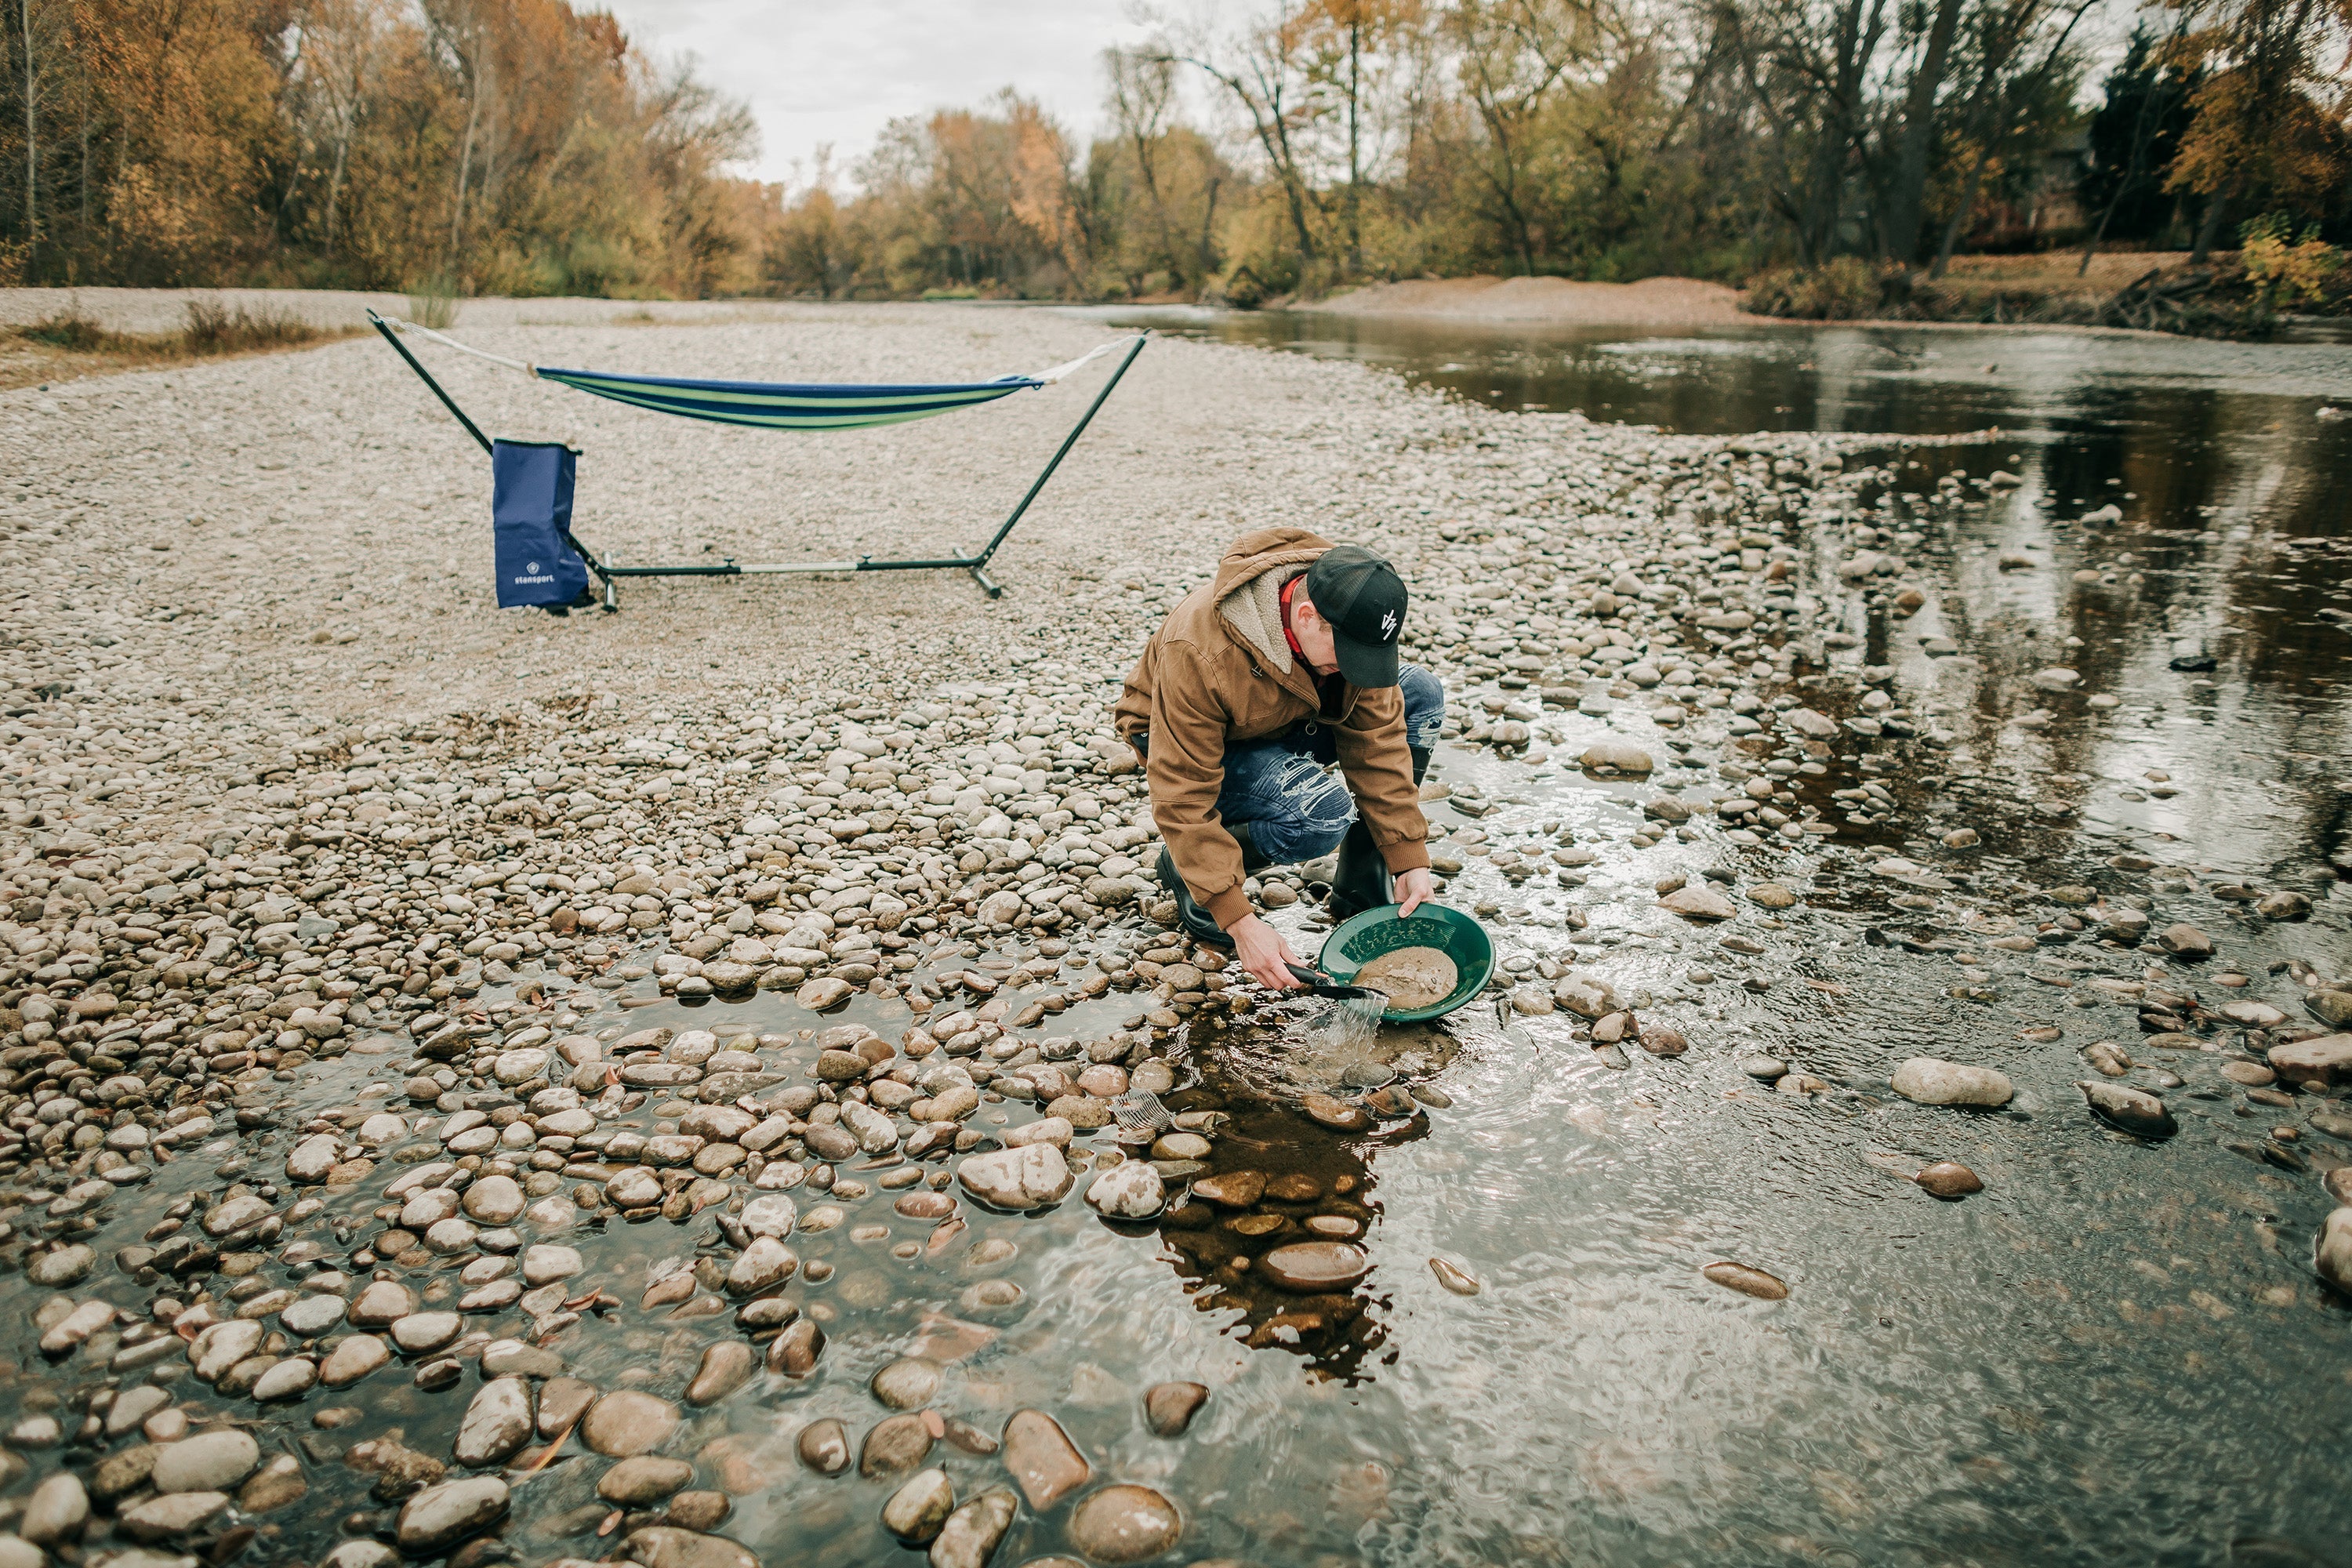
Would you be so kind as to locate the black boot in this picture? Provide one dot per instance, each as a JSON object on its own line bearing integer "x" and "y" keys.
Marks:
{"x": 1362, "y": 880}
{"x": 1191, "y": 917}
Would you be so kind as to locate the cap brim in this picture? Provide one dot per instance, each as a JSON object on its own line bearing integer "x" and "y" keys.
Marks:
{"x": 1365, "y": 664}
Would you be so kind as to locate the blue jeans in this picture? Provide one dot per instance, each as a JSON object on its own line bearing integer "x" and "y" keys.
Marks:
{"x": 1296, "y": 811}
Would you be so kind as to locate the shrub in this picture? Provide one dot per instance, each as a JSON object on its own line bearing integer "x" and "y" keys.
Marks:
{"x": 1843, "y": 290}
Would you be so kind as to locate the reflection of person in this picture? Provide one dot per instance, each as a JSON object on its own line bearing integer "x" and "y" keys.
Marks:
{"x": 1281, "y": 666}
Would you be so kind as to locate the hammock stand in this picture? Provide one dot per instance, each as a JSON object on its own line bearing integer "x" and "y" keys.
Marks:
{"x": 707, "y": 400}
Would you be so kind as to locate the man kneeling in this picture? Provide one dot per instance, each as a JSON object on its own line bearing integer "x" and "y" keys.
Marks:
{"x": 1283, "y": 665}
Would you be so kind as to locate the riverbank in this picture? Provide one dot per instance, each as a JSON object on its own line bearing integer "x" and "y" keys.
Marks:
{"x": 1671, "y": 302}
{"x": 640, "y": 1085}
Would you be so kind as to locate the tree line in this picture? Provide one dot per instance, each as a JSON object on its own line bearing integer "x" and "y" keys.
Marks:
{"x": 480, "y": 146}
{"x": 520, "y": 146}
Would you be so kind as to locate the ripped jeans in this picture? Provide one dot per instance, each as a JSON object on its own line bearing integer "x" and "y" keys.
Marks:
{"x": 1296, "y": 810}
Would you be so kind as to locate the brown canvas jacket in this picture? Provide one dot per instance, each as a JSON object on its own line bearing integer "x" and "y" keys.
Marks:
{"x": 1201, "y": 685}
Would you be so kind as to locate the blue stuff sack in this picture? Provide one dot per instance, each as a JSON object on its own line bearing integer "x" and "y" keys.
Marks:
{"x": 530, "y": 523}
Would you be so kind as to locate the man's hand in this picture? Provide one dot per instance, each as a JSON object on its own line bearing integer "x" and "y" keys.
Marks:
{"x": 1414, "y": 889}
{"x": 1263, "y": 953}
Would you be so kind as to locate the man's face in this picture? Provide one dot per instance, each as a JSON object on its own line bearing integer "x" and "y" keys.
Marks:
{"x": 1314, "y": 634}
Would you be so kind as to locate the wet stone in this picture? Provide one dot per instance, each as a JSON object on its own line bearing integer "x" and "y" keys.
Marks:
{"x": 1125, "y": 1524}
{"x": 1747, "y": 1281}
{"x": 895, "y": 1443}
{"x": 441, "y": 1516}
{"x": 168, "y": 1517}
{"x": 497, "y": 1423}
{"x": 1041, "y": 1458}
{"x": 824, "y": 1446}
{"x": 645, "y": 1479}
{"x": 207, "y": 1462}
{"x": 724, "y": 1368}
{"x": 918, "y": 1509}
{"x": 626, "y": 1422}
{"x": 1231, "y": 1189}
{"x": 1130, "y": 1190}
{"x": 907, "y": 1383}
{"x": 971, "y": 1533}
{"x": 2134, "y": 1110}
{"x": 1948, "y": 1179}
{"x": 668, "y": 1546}
{"x": 1169, "y": 1407}
{"x": 1927, "y": 1081}
{"x": 1315, "y": 1266}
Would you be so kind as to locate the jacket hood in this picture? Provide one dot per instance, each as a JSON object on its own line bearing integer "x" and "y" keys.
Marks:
{"x": 1256, "y": 553}
{"x": 1248, "y": 590}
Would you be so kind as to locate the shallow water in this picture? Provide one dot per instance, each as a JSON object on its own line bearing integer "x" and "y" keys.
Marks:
{"x": 2119, "y": 1352}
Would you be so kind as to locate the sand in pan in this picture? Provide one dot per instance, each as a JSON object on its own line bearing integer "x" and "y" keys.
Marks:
{"x": 1675, "y": 302}
{"x": 1412, "y": 977}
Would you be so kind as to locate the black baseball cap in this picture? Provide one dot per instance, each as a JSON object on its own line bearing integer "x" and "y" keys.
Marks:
{"x": 1364, "y": 599}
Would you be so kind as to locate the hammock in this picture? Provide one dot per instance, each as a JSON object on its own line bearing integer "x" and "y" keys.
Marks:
{"x": 773, "y": 405}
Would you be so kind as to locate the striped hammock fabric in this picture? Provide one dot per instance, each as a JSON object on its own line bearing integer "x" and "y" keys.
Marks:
{"x": 777, "y": 406}
{"x": 787, "y": 405}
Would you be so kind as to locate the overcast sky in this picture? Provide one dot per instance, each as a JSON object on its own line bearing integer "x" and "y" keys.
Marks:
{"x": 815, "y": 73}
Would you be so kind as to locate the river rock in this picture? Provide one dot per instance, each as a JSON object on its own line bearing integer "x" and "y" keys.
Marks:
{"x": 907, "y": 1383}
{"x": 824, "y": 1446}
{"x": 1747, "y": 1281}
{"x": 2185, "y": 941}
{"x": 221, "y": 1346}
{"x": 1169, "y": 1407}
{"x": 1231, "y": 1189}
{"x": 645, "y": 1478}
{"x": 207, "y": 1462}
{"x": 724, "y": 1368}
{"x": 1455, "y": 1278}
{"x": 55, "y": 1511}
{"x": 972, "y": 1533}
{"x": 288, "y": 1379}
{"x": 1315, "y": 1266}
{"x": 494, "y": 1200}
{"x": 1618, "y": 757}
{"x": 769, "y": 1214}
{"x": 667, "y": 1546}
{"x": 895, "y": 1443}
{"x": 766, "y": 1263}
{"x": 497, "y": 1423}
{"x": 563, "y": 1401}
{"x": 442, "y": 1515}
{"x": 420, "y": 1333}
{"x": 1128, "y": 1190}
{"x": 1330, "y": 1111}
{"x": 2133, "y": 1109}
{"x": 62, "y": 1267}
{"x": 545, "y": 1264}
{"x": 172, "y": 1515}
{"x": 626, "y": 1422}
{"x": 1699, "y": 901}
{"x": 1018, "y": 1179}
{"x": 2325, "y": 1060}
{"x": 276, "y": 1485}
{"x": 1928, "y": 1080}
{"x": 823, "y": 996}
{"x": 353, "y": 1359}
{"x": 2332, "y": 1256}
{"x": 383, "y": 1303}
{"x": 1948, "y": 1179}
{"x": 1125, "y": 1524}
{"x": 1045, "y": 1464}
{"x": 634, "y": 1188}
{"x": 917, "y": 1510}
